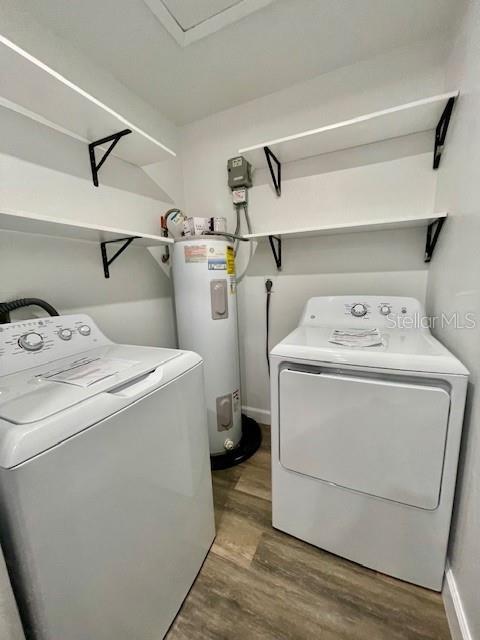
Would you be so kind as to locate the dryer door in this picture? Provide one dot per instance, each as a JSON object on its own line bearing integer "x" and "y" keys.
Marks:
{"x": 384, "y": 438}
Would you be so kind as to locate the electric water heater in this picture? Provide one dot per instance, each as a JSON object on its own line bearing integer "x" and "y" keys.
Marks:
{"x": 203, "y": 269}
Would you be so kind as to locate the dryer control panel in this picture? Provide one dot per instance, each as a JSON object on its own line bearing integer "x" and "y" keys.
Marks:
{"x": 352, "y": 311}
{"x": 30, "y": 343}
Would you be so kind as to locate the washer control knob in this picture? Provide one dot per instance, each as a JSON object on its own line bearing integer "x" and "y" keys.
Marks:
{"x": 359, "y": 310}
{"x": 31, "y": 341}
{"x": 385, "y": 309}
{"x": 84, "y": 330}
{"x": 65, "y": 334}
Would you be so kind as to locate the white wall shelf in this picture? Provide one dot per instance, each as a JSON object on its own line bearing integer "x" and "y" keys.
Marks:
{"x": 349, "y": 227}
{"x": 433, "y": 224}
{"x": 37, "y": 91}
{"x": 428, "y": 114}
{"x": 63, "y": 228}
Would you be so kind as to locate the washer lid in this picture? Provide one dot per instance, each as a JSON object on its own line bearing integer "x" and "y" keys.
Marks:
{"x": 33, "y": 424}
{"x": 33, "y": 395}
{"x": 403, "y": 349}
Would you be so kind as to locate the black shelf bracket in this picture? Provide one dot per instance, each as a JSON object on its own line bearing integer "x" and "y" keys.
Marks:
{"x": 276, "y": 250}
{"x": 441, "y": 132}
{"x": 433, "y": 233}
{"x": 113, "y": 139}
{"x": 105, "y": 260}
{"x": 276, "y": 175}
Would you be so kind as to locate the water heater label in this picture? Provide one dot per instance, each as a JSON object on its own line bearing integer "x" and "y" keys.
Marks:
{"x": 230, "y": 261}
{"x": 195, "y": 253}
{"x": 217, "y": 264}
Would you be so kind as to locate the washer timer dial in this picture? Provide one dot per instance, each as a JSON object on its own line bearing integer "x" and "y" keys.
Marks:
{"x": 358, "y": 310}
{"x": 31, "y": 341}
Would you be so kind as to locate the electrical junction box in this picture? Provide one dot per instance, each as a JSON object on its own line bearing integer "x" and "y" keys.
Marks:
{"x": 239, "y": 173}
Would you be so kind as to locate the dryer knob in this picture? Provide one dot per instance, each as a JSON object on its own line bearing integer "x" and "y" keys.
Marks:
{"x": 84, "y": 330}
{"x": 358, "y": 310}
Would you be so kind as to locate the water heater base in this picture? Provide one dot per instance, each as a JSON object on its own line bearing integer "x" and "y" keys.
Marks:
{"x": 249, "y": 443}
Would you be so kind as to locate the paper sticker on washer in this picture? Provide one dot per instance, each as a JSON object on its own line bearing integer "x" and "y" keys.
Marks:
{"x": 195, "y": 253}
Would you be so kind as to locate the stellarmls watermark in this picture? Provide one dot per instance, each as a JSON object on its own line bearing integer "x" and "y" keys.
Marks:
{"x": 454, "y": 320}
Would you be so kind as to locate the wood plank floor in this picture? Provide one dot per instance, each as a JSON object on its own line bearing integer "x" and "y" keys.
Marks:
{"x": 260, "y": 584}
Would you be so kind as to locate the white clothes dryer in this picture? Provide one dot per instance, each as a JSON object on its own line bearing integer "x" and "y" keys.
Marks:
{"x": 367, "y": 412}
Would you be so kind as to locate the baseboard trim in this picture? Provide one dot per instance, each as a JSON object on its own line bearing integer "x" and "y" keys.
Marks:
{"x": 457, "y": 620}
{"x": 260, "y": 415}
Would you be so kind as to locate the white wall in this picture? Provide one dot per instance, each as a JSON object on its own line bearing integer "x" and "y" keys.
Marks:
{"x": 18, "y": 25}
{"x": 381, "y": 180}
{"x": 454, "y": 287}
{"x": 45, "y": 172}
{"x": 135, "y": 304}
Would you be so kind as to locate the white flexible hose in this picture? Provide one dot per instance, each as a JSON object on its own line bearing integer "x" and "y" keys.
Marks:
{"x": 251, "y": 244}
{"x": 250, "y": 255}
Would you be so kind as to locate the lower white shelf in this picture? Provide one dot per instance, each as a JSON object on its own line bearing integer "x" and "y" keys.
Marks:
{"x": 349, "y": 227}
{"x": 62, "y": 228}
{"x": 432, "y": 223}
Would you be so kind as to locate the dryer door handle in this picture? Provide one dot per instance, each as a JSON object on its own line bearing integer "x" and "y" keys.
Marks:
{"x": 138, "y": 386}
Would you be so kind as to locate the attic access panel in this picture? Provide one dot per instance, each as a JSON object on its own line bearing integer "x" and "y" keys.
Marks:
{"x": 190, "y": 20}
{"x": 191, "y": 14}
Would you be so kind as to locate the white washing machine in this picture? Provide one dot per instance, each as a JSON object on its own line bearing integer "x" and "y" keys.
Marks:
{"x": 106, "y": 510}
{"x": 365, "y": 439}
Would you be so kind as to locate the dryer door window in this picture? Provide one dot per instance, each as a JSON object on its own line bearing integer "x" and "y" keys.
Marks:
{"x": 384, "y": 438}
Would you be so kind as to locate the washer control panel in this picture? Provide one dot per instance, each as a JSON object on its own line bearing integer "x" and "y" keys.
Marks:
{"x": 31, "y": 343}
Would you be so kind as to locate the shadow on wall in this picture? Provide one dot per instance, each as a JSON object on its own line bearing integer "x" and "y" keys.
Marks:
{"x": 383, "y": 151}
{"x": 133, "y": 305}
{"x": 28, "y": 140}
{"x": 361, "y": 252}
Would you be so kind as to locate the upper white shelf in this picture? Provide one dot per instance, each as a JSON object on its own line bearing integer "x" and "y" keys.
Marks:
{"x": 405, "y": 119}
{"x": 350, "y": 227}
{"x": 33, "y": 89}
{"x": 62, "y": 228}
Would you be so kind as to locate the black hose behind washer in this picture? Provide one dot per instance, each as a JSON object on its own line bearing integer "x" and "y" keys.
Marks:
{"x": 7, "y": 307}
{"x": 268, "y": 288}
